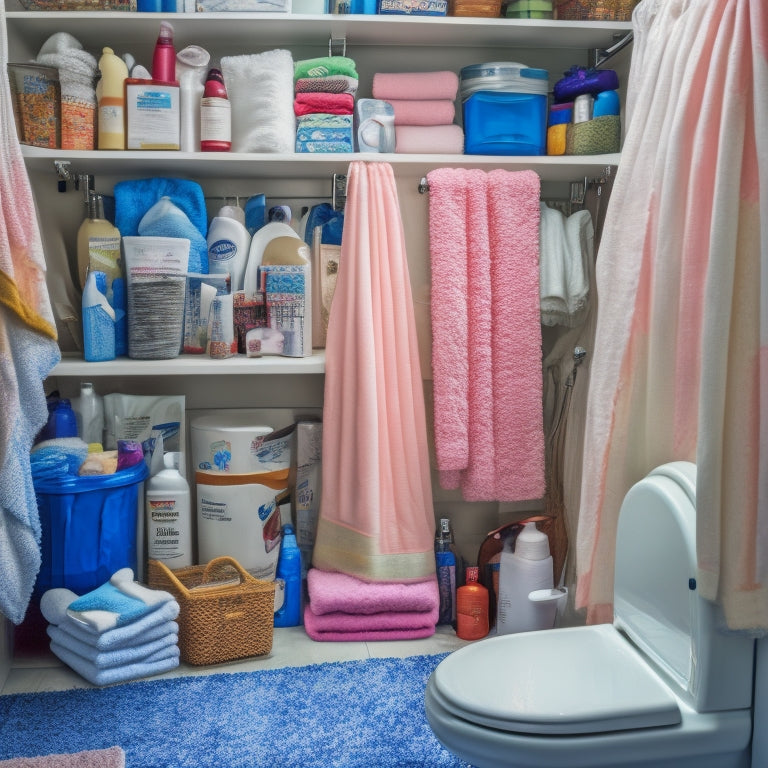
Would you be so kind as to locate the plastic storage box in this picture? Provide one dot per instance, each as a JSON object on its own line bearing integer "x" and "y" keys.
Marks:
{"x": 504, "y": 108}
{"x": 90, "y": 528}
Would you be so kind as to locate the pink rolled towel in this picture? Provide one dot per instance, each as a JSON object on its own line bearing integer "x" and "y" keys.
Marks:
{"x": 429, "y": 139}
{"x": 331, "y": 592}
{"x": 345, "y": 627}
{"x": 325, "y": 103}
{"x": 415, "y": 85}
{"x": 423, "y": 112}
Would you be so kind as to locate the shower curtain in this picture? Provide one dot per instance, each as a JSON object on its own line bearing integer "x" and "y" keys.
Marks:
{"x": 28, "y": 352}
{"x": 680, "y": 369}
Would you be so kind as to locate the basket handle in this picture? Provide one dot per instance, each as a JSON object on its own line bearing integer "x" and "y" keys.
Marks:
{"x": 171, "y": 576}
{"x": 225, "y": 560}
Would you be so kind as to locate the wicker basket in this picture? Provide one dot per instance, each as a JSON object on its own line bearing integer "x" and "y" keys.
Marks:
{"x": 477, "y": 8}
{"x": 595, "y": 10}
{"x": 225, "y": 612}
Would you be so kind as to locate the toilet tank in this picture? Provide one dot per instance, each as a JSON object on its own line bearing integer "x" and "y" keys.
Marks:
{"x": 656, "y": 600}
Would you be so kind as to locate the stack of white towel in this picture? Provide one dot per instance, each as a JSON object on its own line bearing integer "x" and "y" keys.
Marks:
{"x": 120, "y": 631}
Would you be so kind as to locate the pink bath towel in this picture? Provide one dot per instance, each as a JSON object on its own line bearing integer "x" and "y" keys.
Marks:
{"x": 427, "y": 112}
{"x": 326, "y": 103}
{"x": 345, "y": 627}
{"x": 415, "y": 85}
{"x": 429, "y": 139}
{"x": 486, "y": 336}
{"x": 340, "y": 593}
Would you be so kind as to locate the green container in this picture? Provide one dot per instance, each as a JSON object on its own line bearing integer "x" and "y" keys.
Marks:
{"x": 529, "y": 9}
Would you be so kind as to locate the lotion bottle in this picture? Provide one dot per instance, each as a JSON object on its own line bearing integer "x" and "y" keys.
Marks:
{"x": 169, "y": 517}
{"x": 228, "y": 245}
{"x": 215, "y": 115}
{"x": 110, "y": 101}
{"x": 472, "y": 607}
{"x": 98, "y": 243}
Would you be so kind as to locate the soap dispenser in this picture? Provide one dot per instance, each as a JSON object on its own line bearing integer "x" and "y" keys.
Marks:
{"x": 527, "y": 597}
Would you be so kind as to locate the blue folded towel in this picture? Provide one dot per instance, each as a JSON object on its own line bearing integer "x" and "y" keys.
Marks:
{"x": 134, "y": 197}
{"x": 152, "y": 665}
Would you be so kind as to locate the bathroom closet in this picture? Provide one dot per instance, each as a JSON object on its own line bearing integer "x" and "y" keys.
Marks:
{"x": 377, "y": 44}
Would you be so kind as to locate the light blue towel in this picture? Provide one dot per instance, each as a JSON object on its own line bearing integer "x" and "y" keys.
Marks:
{"x": 29, "y": 361}
{"x": 152, "y": 665}
{"x": 120, "y": 657}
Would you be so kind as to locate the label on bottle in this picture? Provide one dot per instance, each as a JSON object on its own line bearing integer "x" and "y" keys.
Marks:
{"x": 215, "y": 120}
{"x": 111, "y": 119}
{"x": 446, "y": 583}
{"x": 104, "y": 256}
{"x": 164, "y": 537}
{"x": 222, "y": 251}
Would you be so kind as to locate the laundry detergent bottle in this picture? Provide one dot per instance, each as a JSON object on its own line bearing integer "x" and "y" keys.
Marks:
{"x": 110, "y": 101}
{"x": 289, "y": 570}
{"x": 527, "y": 598}
{"x": 228, "y": 245}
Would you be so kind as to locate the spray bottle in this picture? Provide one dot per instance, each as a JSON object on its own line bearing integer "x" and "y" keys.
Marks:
{"x": 289, "y": 570}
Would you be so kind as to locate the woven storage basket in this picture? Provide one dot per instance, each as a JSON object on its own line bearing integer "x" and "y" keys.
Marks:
{"x": 595, "y": 10}
{"x": 477, "y": 8}
{"x": 225, "y": 613}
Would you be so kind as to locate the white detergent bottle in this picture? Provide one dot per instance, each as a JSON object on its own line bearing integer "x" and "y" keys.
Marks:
{"x": 527, "y": 599}
{"x": 169, "y": 516}
{"x": 228, "y": 245}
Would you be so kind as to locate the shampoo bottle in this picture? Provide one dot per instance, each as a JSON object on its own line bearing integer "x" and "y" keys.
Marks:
{"x": 110, "y": 100}
{"x": 169, "y": 517}
{"x": 289, "y": 570}
{"x": 228, "y": 245}
{"x": 472, "y": 608}
{"x": 215, "y": 115}
{"x": 164, "y": 56}
{"x": 445, "y": 561}
{"x": 98, "y": 243}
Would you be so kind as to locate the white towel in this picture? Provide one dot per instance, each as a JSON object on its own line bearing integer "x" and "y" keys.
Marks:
{"x": 566, "y": 254}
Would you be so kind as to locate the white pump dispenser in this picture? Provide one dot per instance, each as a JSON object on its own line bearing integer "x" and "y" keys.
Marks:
{"x": 527, "y": 600}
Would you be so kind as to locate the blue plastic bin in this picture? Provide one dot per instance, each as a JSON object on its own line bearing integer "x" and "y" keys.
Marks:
{"x": 89, "y": 528}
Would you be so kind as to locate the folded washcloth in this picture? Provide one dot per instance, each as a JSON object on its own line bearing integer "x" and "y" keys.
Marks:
{"x": 326, "y": 103}
{"x": 367, "y": 628}
{"x": 116, "y": 603}
{"x": 415, "y": 85}
{"x": 429, "y": 139}
{"x": 319, "y": 132}
{"x": 134, "y": 197}
{"x": 379, "y": 622}
{"x": 426, "y": 112}
{"x": 166, "y": 219}
{"x": 325, "y": 66}
{"x": 341, "y": 593}
{"x": 330, "y": 84}
{"x": 154, "y": 650}
{"x": 98, "y": 676}
{"x": 54, "y": 604}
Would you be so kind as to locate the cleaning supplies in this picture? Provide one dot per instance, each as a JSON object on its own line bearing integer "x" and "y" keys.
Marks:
{"x": 446, "y": 572}
{"x": 228, "y": 245}
{"x": 98, "y": 320}
{"x": 527, "y": 599}
{"x": 289, "y": 570}
{"x": 110, "y": 101}
{"x": 472, "y": 607}
{"x": 164, "y": 56}
{"x": 98, "y": 243}
{"x": 89, "y": 412}
{"x": 169, "y": 516}
{"x": 215, "y": 115}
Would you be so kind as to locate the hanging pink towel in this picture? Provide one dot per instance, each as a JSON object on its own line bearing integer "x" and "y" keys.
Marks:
{"x": 423, "y": 112}
{"x": 376, "y": 520}
{"x": 429, "y": 139}
{"x": 415, "y": 85}
{"x": 486, "y": 336}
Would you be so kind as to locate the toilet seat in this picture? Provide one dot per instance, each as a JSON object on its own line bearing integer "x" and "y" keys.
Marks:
{"x": 594, "y": 682}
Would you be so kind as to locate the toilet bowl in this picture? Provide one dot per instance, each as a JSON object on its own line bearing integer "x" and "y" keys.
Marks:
{"x": 660, "y": 687}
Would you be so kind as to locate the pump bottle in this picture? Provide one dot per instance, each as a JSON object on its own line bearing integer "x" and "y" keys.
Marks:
{"x": 110, "y": 101}
{"x": 215, "y": 115}
{"x": 289, "y": 570}
{"x": 98, "y": 243}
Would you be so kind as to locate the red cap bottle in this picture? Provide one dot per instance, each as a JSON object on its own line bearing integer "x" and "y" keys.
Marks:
{"x": 164, "y": 57}
{"x": 215, "y": 115}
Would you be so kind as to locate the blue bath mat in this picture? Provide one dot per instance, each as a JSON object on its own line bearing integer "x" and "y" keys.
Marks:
{"x": 354, "y": 714}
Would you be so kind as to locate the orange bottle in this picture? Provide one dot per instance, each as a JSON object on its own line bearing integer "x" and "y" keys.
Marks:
{"x": 472, "y": 608}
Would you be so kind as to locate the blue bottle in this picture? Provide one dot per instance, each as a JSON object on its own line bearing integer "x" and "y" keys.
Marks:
{"x": 445, "y": 560}
{"x": 289, "y": 569}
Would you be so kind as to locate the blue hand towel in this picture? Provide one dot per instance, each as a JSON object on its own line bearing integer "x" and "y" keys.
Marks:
{"x": 134, "y": 197}
{"x": 166, "y": 219}
{"x": 120, "y": 657}
{"x": 152, "y": 665}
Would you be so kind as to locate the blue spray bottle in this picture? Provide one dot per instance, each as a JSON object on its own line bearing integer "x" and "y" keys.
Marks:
{"x": 289, "y": 570}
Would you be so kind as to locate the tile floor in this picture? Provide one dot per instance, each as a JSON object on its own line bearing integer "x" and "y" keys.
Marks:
{"x": 291, "y": 647}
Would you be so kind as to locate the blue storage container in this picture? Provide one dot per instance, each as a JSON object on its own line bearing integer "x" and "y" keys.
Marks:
{"x": 89, "y": 528}
{"x": 504, "y": 109}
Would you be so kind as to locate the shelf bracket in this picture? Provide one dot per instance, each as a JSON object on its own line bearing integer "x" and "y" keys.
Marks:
{"x": 601, "y": 55}
{"x": 336, "y": 44}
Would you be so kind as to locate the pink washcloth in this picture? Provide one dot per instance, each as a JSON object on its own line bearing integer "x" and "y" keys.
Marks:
{"x": 325, "y": 103}
{"x": 368, "y": 628}
{"x": 429, "y": 139}
{"x": 341, "y": 593}
{"x": 428, "y": 112}
{"x": 415, "y": 85}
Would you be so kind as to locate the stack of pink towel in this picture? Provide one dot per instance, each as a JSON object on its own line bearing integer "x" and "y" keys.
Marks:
{"x": 424, "y": 104}
{"x": 342, "y": 607}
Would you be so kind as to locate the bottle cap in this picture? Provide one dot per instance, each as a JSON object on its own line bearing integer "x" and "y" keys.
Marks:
{"x": 473, "y": 573}
{"x": 532, "y": 544}
{"x": 214, "y": 85}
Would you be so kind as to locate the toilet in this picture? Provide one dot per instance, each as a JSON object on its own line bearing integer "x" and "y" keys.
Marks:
{"x": 661, "y": 687}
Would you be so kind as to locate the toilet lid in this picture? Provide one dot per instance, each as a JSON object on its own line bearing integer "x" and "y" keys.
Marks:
{"x": 564, "y": 681}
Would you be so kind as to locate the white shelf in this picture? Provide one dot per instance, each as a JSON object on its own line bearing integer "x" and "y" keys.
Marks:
{"x": 192, "y": 365}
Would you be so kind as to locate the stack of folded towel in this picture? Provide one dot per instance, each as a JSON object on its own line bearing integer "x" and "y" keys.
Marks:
{"x": 424, "y": 110}
{"x": 342, "y": 607}
{"x": 120, "y": 631}
{"x": 324, "y": 102}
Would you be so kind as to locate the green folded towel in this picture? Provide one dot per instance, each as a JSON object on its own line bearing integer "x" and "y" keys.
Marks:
{"x": 324, "y": 66}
